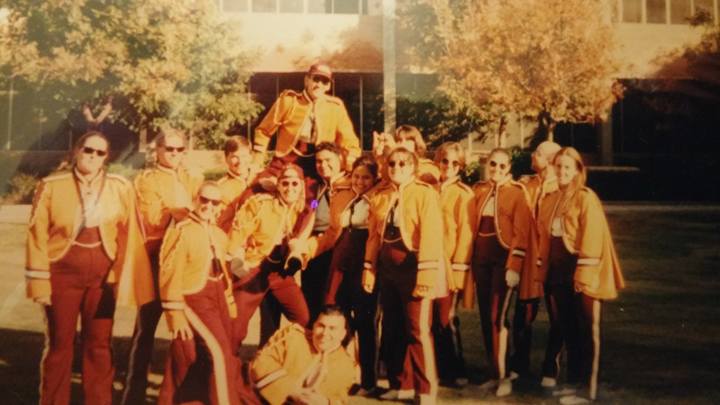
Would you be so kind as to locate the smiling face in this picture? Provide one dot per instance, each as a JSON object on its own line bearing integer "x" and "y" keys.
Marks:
{"x": 91, "y": 157}
{"x": 207, "y": 203}
{"x": 566, "y": 169}
{"x": 289, "y": 186}
{"x": 327, "y": 164}
{"x": 449, "y": 165}
{"x": 328, "y": 331}
{"x": 362, "y": 179}
{"x": 401, "y": 167}
{"x": 238, "y": 162}
{"x": 171, "y": 153}
{"x": 317, "y": 85}
{"x": 498, "y": 167}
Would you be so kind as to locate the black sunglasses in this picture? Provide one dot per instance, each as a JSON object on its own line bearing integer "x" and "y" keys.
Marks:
{"x": 398, "y": 163}
{"x": 89, "y": 151}
{"x": 288, "y": 183}
{"x": 447, "y": 162}
{"x": 502, "y": 166}
{"x": 205, "y": 200}
{"x": 171, "y": 149}
{"x": 320, "y": 79}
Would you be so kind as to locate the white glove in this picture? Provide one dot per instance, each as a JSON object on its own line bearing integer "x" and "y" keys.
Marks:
{"x": 512, "y": 278}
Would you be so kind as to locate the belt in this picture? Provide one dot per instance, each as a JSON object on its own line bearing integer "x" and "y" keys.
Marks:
{"x": 215, "y": 278}
{"x": 485, "y": 235}
{"x": 87, "y": 245}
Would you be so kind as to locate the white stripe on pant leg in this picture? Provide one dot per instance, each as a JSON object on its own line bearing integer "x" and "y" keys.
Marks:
{"x": 596, "y": 348}
{"x": 218, "y": 358}
{"x": 503, "y": 334}
{"x": 46, "y": 350}
{"x": 427, "y": 345}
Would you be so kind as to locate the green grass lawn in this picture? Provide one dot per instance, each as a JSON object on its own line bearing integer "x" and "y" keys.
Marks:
{"x": 661, "y": 338}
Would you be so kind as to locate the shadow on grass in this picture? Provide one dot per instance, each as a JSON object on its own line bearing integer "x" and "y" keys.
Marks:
{"x": 20, "y": 353}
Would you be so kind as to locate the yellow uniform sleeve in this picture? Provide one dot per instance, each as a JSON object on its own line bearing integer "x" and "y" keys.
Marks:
{"x": 346, "y": 137}
{"x": 268, "y": 374}
{"x": 276, "y": 116}
{"x": 37, "y": 262}
{"x": 589, "y": 240}
{"x": 150, "y": 203}
{"x": 429, "y": 250}
{"x": 462, "y": 253}
{"x": 521, "y": 223}
{"x": 173, "y": 259}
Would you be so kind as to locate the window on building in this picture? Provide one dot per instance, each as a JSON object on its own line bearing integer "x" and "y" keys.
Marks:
{"x": 705, "y": 6}
{"x": 264, "y": 6}
{"x": 347, "y": 7}
{"x": 656, "y": 11}
{"x": 291, "y": 6}
{"x": 235, "y": 6}
{"x": 632, "y": 11}
{"x": 679, "y": 11}
{"x": 320, "y": 6}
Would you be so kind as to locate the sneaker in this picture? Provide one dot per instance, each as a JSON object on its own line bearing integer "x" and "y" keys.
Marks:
{"x": 366, "y": 392}
{"x": 573, "y": 400}
{"x": 504, "y": 388}
{"x": 489, "y": 385}
{"x": 513, "y": 376}
{"x": 564, "y": 391}
{"x": 394, "y": 395}
{"x": 548, "y": 382}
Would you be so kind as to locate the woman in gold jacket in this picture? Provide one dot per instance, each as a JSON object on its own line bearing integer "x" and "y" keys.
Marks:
{"x": 403, "y": 251}
{"x": 455, "y": 201}
{"x": 501, "y": 220}
{"x": 196, "y": 294}
{"x": 84, "y": 254}
{"x": 579, "y": 267}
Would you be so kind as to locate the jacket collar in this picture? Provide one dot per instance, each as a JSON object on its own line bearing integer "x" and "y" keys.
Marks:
{"x": 87, "y": 181}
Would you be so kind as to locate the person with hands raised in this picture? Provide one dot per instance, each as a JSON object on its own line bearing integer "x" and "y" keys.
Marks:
{"x": 403, "y": 252}
{"x": 501, "y": 220}
{"x": 196, "y": 295}
{"x": 579, "y": 267}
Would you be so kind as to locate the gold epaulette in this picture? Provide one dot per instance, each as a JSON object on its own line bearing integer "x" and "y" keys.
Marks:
{"x": 119, "y": 178}
{"x": 57, "y": 176}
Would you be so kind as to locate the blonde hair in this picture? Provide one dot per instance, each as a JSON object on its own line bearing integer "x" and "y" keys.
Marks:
{"x": 412, "y": 133}
{"x": 442, "y": 151}
{"x": 581, "y": 178}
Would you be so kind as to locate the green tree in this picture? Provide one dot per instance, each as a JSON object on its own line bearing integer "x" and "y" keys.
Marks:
{"x": 546, "y": 60}
{"x": 145, "y": 64}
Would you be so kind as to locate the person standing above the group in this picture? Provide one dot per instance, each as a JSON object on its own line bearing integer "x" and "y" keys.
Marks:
{"x": 303, "y": 120}
{"x": 411, "y": 139}
{"x": 501, "y": 220}
{"x": 299, "y": 366}
{"x": 165, "y": 194}
{"x": 529, "y": 290}
{"x": 579, "y": 267}
{"x": 196, "y": 294}
{"x": 403, "y": 252}
{"x": 347, "y": 236}
{"x": 455, "y": 201}
{"x": 328, "y": 162}
{"x": 84, "y": 249}
{"x": 264, "y": 227}
{"x": 235, "y": 181}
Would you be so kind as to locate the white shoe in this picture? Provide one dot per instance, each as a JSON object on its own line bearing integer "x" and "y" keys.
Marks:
{"x": 565, "y": 391}
{"x": 548, "y": 382}
{"x": 489, "y": 385}
{"x": 425, "y": 399}
{"x": 573, "y": 400}
{"x": 513, "y": 376}
{"x": 504, "y": 388}
{"x": 461, "y": 382}
{"x": 394, "y": 395}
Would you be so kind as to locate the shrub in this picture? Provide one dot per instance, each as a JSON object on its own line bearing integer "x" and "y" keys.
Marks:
{"x": 22, "y": 187}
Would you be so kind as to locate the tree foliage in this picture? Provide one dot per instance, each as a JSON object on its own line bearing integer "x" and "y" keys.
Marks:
{"x": 161, "y": 62}
{"x": 548, "y": 60}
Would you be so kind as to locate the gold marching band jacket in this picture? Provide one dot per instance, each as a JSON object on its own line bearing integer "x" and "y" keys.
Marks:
{"x": 232, "y": 187}
{"x": 420, "y": 220}
{"x": 288, "y": 362}
{"x": 291, "y": 111}
{"x": 511, "y": 215}
{"x": 161, "y": 190}
{"x": 339, "y": 219}
{"x": 191, "y": 251}
{"x": 58, "y": 215}
{"x": 260, "y": 224}
{"x": 536, "y": 188}
{"x": 586, "y": 234}
{"x": 455, "y": 200}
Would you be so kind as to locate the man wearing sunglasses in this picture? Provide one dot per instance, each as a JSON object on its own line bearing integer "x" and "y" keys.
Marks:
{"x": 165, "y": 194}
{"x": 302, "y": 120}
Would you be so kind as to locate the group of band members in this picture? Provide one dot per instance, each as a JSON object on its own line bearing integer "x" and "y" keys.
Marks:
{"x": 392, "y": 236}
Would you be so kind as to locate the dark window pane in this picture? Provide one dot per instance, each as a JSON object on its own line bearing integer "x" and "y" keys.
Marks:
{"x": 679, "y": 11}
{"x": 291, "y": 6}
{"x": 656, "y": 11}
{"x": 235, "y": 6}
{"x": 320, "y": 6}
{"x": 347, "y": 7}
{"x": 263, "y": 6}
{"x": 632, "y": 11}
